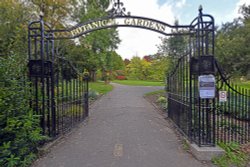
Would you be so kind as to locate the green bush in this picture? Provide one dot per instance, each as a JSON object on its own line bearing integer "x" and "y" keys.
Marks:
{"x": 93, "y": 94}
{"x": 162, "y": 101}
{"x": 20, "y": 131}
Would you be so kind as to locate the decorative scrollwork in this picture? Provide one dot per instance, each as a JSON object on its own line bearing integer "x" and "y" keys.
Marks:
{"x": 118, "y": 9}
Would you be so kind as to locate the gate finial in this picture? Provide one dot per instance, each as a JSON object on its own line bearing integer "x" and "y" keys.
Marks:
{"x": 41, "y": 14}
{"x": 200, "y": 9}
{"x": 118, "y": 9}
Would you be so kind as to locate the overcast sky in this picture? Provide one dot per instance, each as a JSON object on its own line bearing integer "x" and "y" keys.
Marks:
{"x": 142, "y": 42}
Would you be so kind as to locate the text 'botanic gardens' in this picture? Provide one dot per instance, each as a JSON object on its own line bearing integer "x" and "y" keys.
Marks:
{"x": 112, "y": 22}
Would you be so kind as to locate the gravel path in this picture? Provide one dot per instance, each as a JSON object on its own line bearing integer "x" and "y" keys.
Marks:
{"x": 123, "y": 130}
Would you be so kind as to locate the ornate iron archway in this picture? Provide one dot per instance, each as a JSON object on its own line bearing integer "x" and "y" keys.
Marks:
{"x": 62, "y": 99}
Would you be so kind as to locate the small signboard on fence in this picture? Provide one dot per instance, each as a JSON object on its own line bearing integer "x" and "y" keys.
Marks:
{"x": 207, "y": 86}
{"x": 222, "y": 96}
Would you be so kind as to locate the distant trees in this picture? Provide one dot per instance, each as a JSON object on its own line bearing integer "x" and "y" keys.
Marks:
{"x": 138, "y": 69}
{"x": 170, "y": 49}
{"x": 155, "y": 67}
{"x": 152, "y": 67}
{"x": 233, "y": 45}
{"x": 174, "y": 46}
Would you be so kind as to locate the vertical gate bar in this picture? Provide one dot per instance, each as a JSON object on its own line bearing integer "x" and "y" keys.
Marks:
{"x": 38, "y": 112}
{"x": 238, "y": 114}
{"x": 53, "y": 98}
{"x": 63, "y": 100}
{"x": 67, "y": 104}
{"x": 82, "y": 97}
{"x": 79, "y": 98}
{"x": 42, "y": 71}
{"x": 47, "y": 85}
{"x": 71, "y": 102}
{"x": 198, "y": 98}
{"x": 203, "y": 102}
{"x": 214, "y": 109}
{"x": 188, "y": 84}
{"x": 242, "y": 104}
{"x": 235, "y": 113}
{"x": 74, "y": 101}
{"x": 58, "y": 96}
{"x": 86, "y": 95}
{"x": 230, "y": 114}
{"x": 246, "y": 115}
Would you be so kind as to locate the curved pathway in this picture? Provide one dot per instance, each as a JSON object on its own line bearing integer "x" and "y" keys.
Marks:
{"x": 123, "y": 130}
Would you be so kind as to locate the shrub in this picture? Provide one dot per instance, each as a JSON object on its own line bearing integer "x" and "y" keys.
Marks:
{"x": 120, "y": 77}
{"x": 20, "y": 131}
{"x": 162, "y": 101}
{"x": 93, "y": 94}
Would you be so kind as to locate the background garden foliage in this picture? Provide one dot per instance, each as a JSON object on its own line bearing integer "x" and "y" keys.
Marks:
{"x": 20, "y": 132}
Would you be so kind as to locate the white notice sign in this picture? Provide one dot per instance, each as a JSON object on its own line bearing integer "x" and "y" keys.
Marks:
{"x": 207, "y": 86}
{"x": 222, "y": 96}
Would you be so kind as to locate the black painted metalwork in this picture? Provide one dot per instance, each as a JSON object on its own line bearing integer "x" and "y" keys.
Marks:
{"x": 202, "y": 65}
{"x": 118, "y": 9}
{"x": 61, "y": 96}
{"x": 206, "y": 121}
{"x": 61, "y": 93}
{"x": 194, "y": 116}
{"x": 232, "y": 114}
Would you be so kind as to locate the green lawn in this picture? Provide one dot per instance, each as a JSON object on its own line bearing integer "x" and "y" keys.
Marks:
{"x": 138, "y": 83}
{"x": 245, "y": 84}
{"x": 100, "y": 87}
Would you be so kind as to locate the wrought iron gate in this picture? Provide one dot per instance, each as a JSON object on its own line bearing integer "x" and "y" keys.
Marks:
{"x": 60, "y": 93}
{"x": 61, "y": 96}
{"x": 206, "y": 121}
{"x": 194, "y": 116}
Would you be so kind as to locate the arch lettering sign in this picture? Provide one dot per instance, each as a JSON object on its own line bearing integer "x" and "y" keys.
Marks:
{"x": 118, "y": 21}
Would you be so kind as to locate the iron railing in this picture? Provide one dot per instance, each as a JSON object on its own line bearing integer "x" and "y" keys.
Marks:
{"x": 195, "y": 117}
{"x": 233, "y": 112}
{"x": 60, "y": 93}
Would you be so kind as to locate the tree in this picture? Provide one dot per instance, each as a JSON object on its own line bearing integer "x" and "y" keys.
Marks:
{"x": 232, "y": 45}
{"x": 99, "y": 44}
{"x": 174, "y": 46}
{"x": 126, "y": 62}
{"x": 170, "y": 49}
{"x": 14, "y": 19}
{"x": 56, "y": 13}
{"x": 159, "y": 67}
{"x": 138, "y": 69}
{"x": 117, "y": 62}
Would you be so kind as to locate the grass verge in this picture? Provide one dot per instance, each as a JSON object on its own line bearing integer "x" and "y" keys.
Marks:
{"x": 100, "y": 87}
{"x": 234, "y": 156}
{"x": 243, "y": 84}
{"x": 138, "y": 83}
